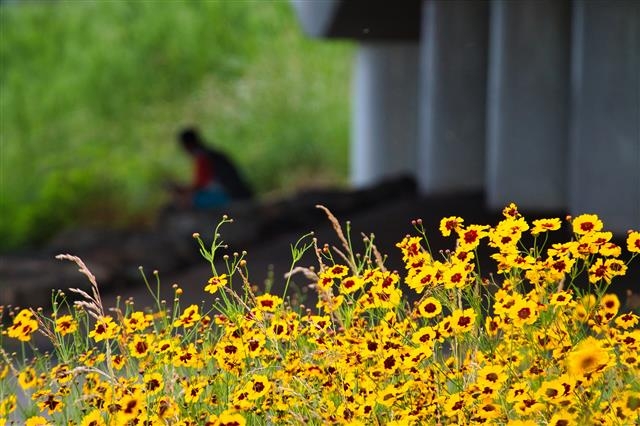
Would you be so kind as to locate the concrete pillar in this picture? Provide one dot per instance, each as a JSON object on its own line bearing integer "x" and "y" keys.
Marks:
{"x": 605, "y": 128}
{"x": 452, "y": 90}
{"x": 384, "y": 125}
{"x": 527, "y": 103}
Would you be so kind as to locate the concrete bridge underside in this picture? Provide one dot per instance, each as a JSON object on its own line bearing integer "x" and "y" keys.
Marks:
{"x": 535, "y": 101}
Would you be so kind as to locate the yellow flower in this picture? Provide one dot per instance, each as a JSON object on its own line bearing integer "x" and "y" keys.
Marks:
{"x": 586, "y": 223}
{"x": 456, "y": 276}
{"x": 153, "y": 383}
{"x": 66, "y": 325}
{"x": 587, "y": 357}
{"x": 469, "y": 237}
{"x": 27, "y": 378}
{"x": 230, "y": 418}
{"x": 93, "y": 418}
{"x": 544, "y": 225}
{"x": 268, "y": 302}
{"x": 429, "y": 307}
{"x": 37, "y": 421}
{"x": 193, "y": 391}
{"x": 563, "y": 418}
{"x": 140, "y": 345}
{"x": 610, "y": 304}
{"x": 410, "y": 247}
{"x": 216, "y": 283}
{"x": 104, "y": 329}
{"x": 130, "y": 406}
{"x": 137, "y": 321}
{"x": 189, "y": 317}
{"x": 351, "y": 285}
{"x": 450, "y": 224}
{"x": 633, "y": 242}
{"x": 24, "y": 324}
{"x": 463, "y": 320}
{"x": 8, "y": 405}
{"x": 337, "y": 271}
{"x": 52, "y": 403}
{"x": 257, "y": 387}
{"x": 627, "y": 320}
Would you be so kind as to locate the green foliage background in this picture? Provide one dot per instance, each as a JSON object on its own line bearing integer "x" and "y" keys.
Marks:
{"x": 93, "y": 92}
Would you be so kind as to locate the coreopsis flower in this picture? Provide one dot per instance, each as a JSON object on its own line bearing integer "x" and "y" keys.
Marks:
{"x": 488, "y": 410}
{"x": 545, "y": 225}
{"x": 610, "y": 250}
{"x": 425, "y": 277}
{"x": 627, "y": 321}
{"x": 131, "y": 406}
{"x": 586, "y": 223}
{"x": 27, "y": 378}
{"x": 599, "y": 271}
{"x": 563, "y": 418}
{"x": 492, "y": 376}
{"x": 589, "y": 356}
{"x": 231, "y": 418}
{"x": 268, "y": 302}
{"x": 61, "y": 374}
{"x": 165, "y": 408}
{"x": 351, "y": 284}
{"x": 450, "y": 224}
{"x": 140, "y": 345}
{"x": 118, "y": 361}
{"x": 187, "y": 357}
{"x": 104, "y": 329}
{"x": 492, "y": 325}
{"x": 469, "y": 237}
{"x": 52, "y": 403}
{"x": 456, "y": 276}
{"x": 216, "y": 283}
{"x": 93, "y": 418}
{"x": 610, "y": 304}
{"x": 189, "y": 317}
{"x": 24, "y": 324}
{"x": 511, "y": 211}
{"x": 633, "y": 242}
{"x": 630, "y": 359}
{"x": 153, "y": 383}
{"x": 410, "y": 248}
{"x": 425, "y": 336}
{"x": 257, "y": 387}
{"x": 560, "y": 298}
{"x": 66, "y": 324}
{"x": 463, "y": 321}
{"x": 37, "y": 421}
{"x": 336, "y": 271}
{"x": 430, "y": 307}
{"x": 523, "y": 312}
{"x": 193, "y": 391}
{"x": 325, "y": 282}
{"x": 137, "y": 321}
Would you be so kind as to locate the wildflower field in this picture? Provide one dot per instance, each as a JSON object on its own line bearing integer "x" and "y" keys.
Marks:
{"x": 541, "y": 342}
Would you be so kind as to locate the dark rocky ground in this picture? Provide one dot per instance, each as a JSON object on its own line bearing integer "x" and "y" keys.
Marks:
{"x": 265, "y": 230}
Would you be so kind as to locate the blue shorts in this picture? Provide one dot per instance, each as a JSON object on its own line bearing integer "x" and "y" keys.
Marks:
{"x": 210, "y": 197}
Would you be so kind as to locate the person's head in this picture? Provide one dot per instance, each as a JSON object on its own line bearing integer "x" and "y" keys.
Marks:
{"x": 189, "y": 138}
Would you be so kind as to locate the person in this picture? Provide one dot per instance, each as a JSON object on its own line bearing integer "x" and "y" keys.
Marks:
{"x": 216, "y": 180}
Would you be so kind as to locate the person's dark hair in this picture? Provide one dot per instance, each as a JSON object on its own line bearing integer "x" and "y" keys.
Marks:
{"x": 189, "y": 137}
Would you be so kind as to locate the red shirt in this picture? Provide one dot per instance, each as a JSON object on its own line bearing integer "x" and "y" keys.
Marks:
{"x": 204, "y": 172}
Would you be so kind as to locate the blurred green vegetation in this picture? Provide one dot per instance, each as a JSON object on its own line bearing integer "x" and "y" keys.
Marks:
{"x": 93, "y": 93}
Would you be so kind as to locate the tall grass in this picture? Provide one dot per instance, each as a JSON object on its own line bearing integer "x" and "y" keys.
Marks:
{"x": 92, "y": 94}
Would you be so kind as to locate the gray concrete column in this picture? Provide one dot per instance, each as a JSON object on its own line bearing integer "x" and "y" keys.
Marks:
{"x": 527, "y": 103}
{"x": 384, "y": 126}
{"x": 605, "y": 129}
{"x": 453, "y": 66}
